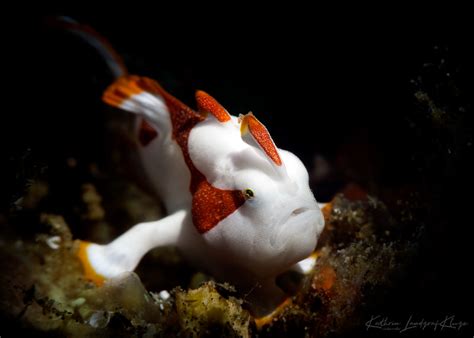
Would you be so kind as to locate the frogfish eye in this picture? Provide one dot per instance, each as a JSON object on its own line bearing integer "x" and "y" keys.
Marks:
{"x": 249, "y": 194}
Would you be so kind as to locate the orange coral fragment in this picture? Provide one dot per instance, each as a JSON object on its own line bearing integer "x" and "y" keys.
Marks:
{"x": 265, "y": 320}
{"x": 325, "y": 279}
{"x": 326, "y": 210}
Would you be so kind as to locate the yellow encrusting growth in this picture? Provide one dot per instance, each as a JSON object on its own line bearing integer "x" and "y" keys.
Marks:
{"x": 204, "y": 309}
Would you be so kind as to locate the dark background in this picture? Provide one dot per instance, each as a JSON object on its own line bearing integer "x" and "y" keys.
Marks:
{"x": 339, "y": 86}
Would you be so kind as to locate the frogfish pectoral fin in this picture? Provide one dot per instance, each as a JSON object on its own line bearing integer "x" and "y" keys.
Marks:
{"x": 89, "y": 271}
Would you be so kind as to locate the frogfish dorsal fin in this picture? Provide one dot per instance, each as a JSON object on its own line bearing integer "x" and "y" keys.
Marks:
{"x": 207, "y": 104}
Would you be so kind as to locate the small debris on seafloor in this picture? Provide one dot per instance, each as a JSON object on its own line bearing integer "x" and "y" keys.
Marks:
{"x": 54, "y": 242}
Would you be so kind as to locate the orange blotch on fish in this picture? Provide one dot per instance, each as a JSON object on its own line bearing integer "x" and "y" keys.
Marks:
{"x": 261, "y": 136}
{"x": 146, "y": 133}
{"x": 122, "y": 89}
{"x": 89, "y": 272}
{"x": 211, "y": 205}
{"x": 207, "y": 104}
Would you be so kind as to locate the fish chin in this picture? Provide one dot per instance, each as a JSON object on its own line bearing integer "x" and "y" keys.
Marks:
{"x": 299, "y": 234}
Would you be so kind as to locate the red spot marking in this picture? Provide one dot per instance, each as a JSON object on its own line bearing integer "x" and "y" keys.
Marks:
{"x": 146, "y": 133}
{"x": 210, "y": 205}
{"x": 207, "y": 104}
{"x": 262, "y": 136}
